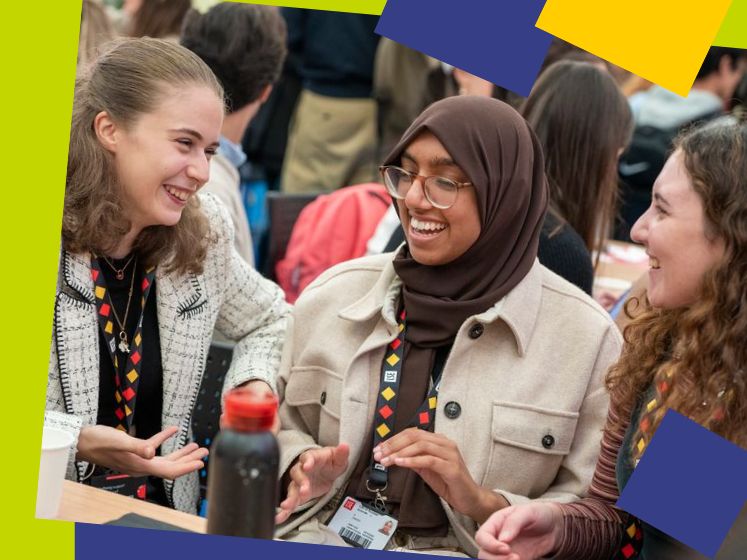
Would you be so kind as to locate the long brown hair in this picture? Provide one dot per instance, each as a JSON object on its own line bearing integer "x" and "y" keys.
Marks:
{"x": 582, "y": 121}
{"x": 700, "y": 349}
{"x": 159, "y": 18}
{"x": 128, "y": 80}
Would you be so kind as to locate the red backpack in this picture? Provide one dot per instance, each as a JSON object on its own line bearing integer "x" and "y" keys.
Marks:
{"x": 334, "y": 228}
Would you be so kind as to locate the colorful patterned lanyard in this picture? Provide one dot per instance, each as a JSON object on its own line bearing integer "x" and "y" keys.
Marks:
{"x": 386, "y": 406}
{"x": 126, "y": 385}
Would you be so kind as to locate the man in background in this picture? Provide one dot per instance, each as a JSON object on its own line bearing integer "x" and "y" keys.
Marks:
{"x": 245, "y": 46}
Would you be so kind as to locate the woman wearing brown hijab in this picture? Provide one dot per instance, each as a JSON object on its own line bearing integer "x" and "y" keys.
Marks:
{"x": 455, "y": 377}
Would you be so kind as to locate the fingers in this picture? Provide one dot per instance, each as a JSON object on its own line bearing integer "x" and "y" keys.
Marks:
{"x": 288, "y": 505}
{"x": 189, "y": 449}
{"x": 340, "y": 455}
{"x": 487, "y": 536}
{"x": 515, "y": 521}
{"x": 409, "y": 437}
{"x": 154, "y": 442}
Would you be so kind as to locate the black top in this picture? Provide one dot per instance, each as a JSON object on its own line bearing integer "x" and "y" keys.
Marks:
{"x": 332, "y": 52}
{"x": 561, "y": 249}
{"x": 147, "y": 419}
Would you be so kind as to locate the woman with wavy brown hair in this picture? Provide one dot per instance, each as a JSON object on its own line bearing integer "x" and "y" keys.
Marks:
{"x": 147, "y": 271}
{"x": 684, "y": 350}
{"x": 583, "y": 122}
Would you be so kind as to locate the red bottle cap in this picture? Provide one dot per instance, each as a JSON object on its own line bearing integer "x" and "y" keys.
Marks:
{"x": 249, "y": 411}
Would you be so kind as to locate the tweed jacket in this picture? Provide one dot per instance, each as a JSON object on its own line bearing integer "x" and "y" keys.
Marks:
{"x": 530, "y": 367}
{"x": 228, "y": 295}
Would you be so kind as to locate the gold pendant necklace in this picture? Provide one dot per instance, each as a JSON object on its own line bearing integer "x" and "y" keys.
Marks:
{"x": 119, "y": 272}
{"x": 124, "y": 345}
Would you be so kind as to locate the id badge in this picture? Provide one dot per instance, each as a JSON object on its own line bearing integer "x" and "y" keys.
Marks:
{"x": 361, "y": 526}
{"x": 133, "y": 486}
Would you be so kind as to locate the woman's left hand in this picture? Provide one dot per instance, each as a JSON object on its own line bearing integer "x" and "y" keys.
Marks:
{"x": 437, "y": 460}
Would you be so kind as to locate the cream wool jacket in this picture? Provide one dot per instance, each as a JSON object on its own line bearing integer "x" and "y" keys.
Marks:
{"x": 533, "y": 368}
{"x": 228, "y": 295}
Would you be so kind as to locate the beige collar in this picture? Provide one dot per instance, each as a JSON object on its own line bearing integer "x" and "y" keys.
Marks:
{"x": 518, "y": 310}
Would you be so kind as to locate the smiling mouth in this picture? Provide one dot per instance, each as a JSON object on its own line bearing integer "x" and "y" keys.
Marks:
{"x": 653, "y": 263}
{"x": 425, "y": 227}
{"x": 179, "y": 196}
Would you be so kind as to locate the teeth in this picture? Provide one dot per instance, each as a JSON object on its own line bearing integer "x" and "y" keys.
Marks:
{"x": 181, "y": 195}
{"x": 426, "y": 226}
{"x": 653, "y": 262}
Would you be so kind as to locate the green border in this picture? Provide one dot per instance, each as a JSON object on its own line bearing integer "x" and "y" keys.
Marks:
{"x": 39, "y": 51}
{"x": 732, "y": 32}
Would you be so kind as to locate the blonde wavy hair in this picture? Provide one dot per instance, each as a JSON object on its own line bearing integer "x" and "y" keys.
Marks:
{"x": 700, "y": 350}
{"x": 128, "y": 80}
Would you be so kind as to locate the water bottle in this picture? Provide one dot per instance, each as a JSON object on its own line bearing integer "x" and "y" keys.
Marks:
{"x": 243, "y": 475}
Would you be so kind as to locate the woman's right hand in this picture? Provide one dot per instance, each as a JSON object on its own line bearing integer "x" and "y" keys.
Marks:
{"x": 112, "y": 448}
{"x": 523, "y": 532}
{"x": 312, "y": 475}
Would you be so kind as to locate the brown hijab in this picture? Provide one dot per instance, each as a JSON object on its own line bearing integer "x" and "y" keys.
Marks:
{"x": 494, "y": 146}
{"x": 503, "y": 159}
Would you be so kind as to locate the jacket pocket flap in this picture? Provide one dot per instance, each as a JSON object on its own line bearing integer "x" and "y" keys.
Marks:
{"x": 536, "y": 429}
{"x": 314, "y": 385}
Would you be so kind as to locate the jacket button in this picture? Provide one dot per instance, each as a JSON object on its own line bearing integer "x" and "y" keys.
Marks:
{"x": 476, "y": 330}
{"x": 548, "y": 441}
{"x": 323, "y": 398}
{"x": 452, "y": 410}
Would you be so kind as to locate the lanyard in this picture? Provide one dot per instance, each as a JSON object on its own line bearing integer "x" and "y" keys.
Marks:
{"x": 126, "y": 379}
{"x": 386, "y": 406}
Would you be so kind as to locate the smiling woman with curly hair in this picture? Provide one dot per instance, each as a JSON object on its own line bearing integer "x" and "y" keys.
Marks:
{"x": 685, "y": 350}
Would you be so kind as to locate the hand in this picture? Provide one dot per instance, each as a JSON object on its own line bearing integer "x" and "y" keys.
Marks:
{"x": 260, "y": 388}
{"x": 438, "y": 461}
{"x": 522, "y": 532}
{"x": 312, "y": 475}
{"x": 117, "y": 450}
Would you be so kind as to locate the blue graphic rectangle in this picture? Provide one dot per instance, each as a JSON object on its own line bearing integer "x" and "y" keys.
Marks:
{"x": 494, "y": 39}
{"x": 690, "y": 483}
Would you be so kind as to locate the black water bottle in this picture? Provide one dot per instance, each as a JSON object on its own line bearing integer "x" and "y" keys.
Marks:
{"x": 243, "y": 475}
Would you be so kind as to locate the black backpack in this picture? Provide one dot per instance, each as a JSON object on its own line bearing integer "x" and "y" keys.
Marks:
{"x": 641, "y": 164}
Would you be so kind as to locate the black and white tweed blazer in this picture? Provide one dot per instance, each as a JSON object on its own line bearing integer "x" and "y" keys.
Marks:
{"x": 228, "y": 296}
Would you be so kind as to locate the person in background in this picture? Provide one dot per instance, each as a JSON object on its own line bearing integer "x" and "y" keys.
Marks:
{"x": 96, "y": 29}
{"x": 147, "y": 270}
{"x": 660, "y": 115}
{"x": 583, "y": 122}
{"x": 160, "y": 19}
{"x": 332, "y": 139}
{"x": 684, "y": 351}
{"x": 457, "y": 376}
{"x": 244, "y": 46}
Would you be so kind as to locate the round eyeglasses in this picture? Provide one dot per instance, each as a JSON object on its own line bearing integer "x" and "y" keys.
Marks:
{"x": 441, "y": 192}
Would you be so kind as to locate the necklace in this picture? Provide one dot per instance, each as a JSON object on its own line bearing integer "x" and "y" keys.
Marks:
{"x": 119, "y": 272}
{"x": 124, "y": 345}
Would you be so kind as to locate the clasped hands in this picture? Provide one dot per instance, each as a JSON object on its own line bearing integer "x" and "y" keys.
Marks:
{"x": 434, "y": 457}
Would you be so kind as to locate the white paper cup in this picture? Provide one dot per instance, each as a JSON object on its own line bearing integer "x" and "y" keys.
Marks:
{"x": 56, "y": 446}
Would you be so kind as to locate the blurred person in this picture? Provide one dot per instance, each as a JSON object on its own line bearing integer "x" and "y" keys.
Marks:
{"x": 147, "y": 270}
{"x": 583, "y": 123}
{"x": 96, "y": 29}
{"x": 418, "y": 381}
{"x": 160, "y": 19}
{"x": 660, "y": 114}
{"x": 684, "y": 351}
{"x": 332, "y": 138}
{"x": 244, "y": 46}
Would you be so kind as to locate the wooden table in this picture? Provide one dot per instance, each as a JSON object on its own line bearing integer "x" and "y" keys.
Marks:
{"x": 85, "y": 504}
{"x": 619, "y": 266}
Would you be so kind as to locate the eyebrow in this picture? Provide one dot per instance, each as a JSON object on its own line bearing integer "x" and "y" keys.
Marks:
{"x": 435, "y": 161}
{"x": 661, "y": 199}
{"x": 194, "y": 133}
